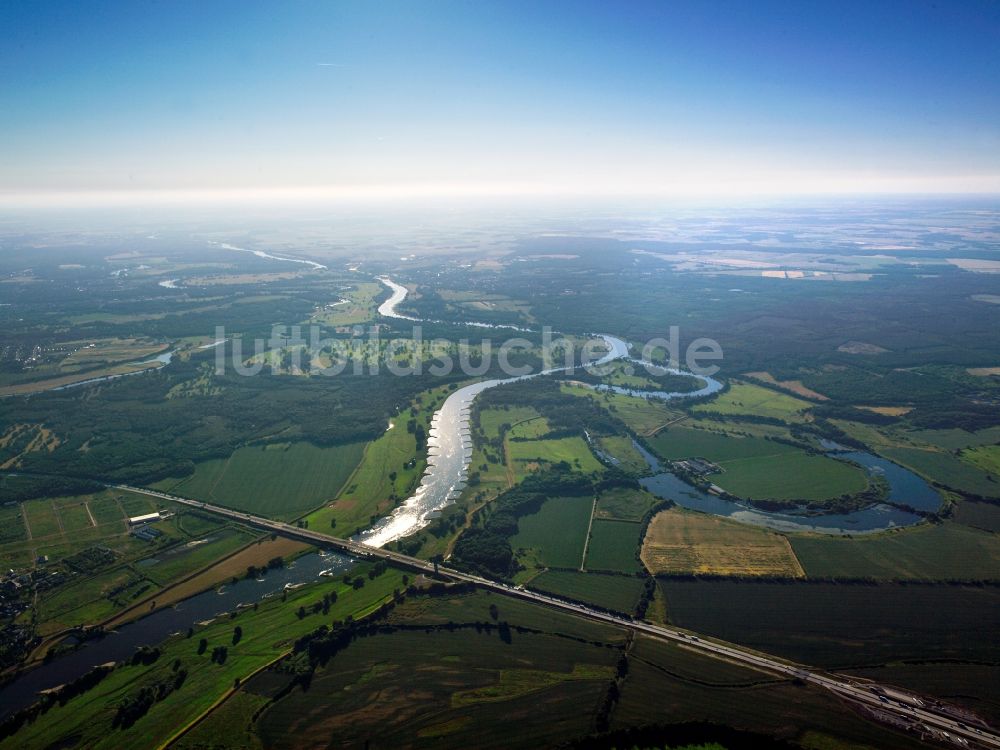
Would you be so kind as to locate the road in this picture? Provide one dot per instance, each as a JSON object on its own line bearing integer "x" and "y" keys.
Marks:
{"x": 891, "y": 702}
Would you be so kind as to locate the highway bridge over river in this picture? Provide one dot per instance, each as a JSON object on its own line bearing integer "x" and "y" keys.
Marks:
{"x": 894, "y": 706}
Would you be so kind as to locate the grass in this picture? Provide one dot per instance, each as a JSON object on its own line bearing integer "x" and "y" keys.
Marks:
{"x": 930, "y": 453}
{"x": 621, "y": 448}
{"x": 684, "y": 441}
{"x": 359, "y": 307}
{"x": 841, "y": 625}
{"x": 947, "y": 469}
{"x": 986, "y": 457}
{"x": 984, "y": 516}
{"x": 555, "y": 535}
{"x": 947, "y": 551}
{"x": 640, "y": 414}
{"x": 624, "y": 504}
{"x": 761, "y": 469}
{"x": 683, "y": 542}
{"x": 11, "y": 524}
{"x": 531, "y": 455}
{"x": 267, "y": 633}
{"x": 613, "y": 546}
{"x": 276, "y": 480}
{"x": 744, "y": 398}
{"x": 189, "y": 557}
{"x": 74, "y": 516}
{"x": 615, "y": 592}
{"x": 790, "y": 474}
{"x": 514, "y": 683}
{"x": 42, "y": 518}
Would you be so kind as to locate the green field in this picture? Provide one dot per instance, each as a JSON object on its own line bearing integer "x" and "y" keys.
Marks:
{"x": 267, "y": 633}
{"x": 618, "y": 593}
{"x": 841, "y": 625}
{"x": 532, "y": 455}
{"x": 555, "y": 535}
{"x": 935, "y": 458}
{"x": 625, "y": 503}
{"x": 744, "y": 398}
{"x": 492, "y": 420}
{"x": 43, "y": 521}
{"x": 947, "y": 469}
{"x": 760, "y": 469}
{"x": 684, "y": 441}
{"x": 621, "y": 448}
{"x": 791, "y": 474}
{"x": 947, "y": 551}
{"x": 614, "y": 545}
{"x": 986, "y": 457}
{"x": 956, "y": 439}
{"x": 11, "y": 524}
{"x": 196, "y": 554}
{"x": 640, "y": 414}
{"x": 73, "y": 515}
{"x": 279, "y": 480}
{"x": 984, "y": 516}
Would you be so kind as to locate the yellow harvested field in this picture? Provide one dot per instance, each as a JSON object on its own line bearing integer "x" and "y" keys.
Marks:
{"x": 983, "y": 372}
{"x": 888, "y": 411}
{"x": 793, "y": 386}
{"x": 681, "y": 541}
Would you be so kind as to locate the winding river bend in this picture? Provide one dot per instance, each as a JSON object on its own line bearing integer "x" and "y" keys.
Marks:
{"x": 449, "y": 448}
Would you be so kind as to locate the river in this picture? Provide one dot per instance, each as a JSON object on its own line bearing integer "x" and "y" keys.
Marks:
{"x": 120, "y": 644}
{"x": 449, "y": 441}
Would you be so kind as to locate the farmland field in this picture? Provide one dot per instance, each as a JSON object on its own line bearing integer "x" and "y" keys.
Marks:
{"x": 620, "y": 593}
{"x": 761, "y": 469}
{"x": 744, "y": 398}
{"x": 277, "y": 480}
{"x": 790, "y": 474}
{"x": 841, "y": 625}
{"x": 529, "y": 455}
{"x": 43, "y": 521}
{"x": 555, "y": 535}
{"x": 947, "y": 551}
{"x": 11, "y": 524}
{"x": 984, "y": 516}
{"x": 961, "y": 473}
{"x": 986, "y": 457}
{"x": 640, "y": 414}
{"x": 621, "y": 448}
{"x": 624, "y": 503}
{"x": 684, "y": 441}
{"x": 614, "y": 546}
{"x": 680, "y": 541}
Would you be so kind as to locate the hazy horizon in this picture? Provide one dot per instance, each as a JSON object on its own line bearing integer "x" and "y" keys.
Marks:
{"x": 182, "y": 102}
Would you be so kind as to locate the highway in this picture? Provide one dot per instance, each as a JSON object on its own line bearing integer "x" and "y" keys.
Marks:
{"x": 888, "y": 701}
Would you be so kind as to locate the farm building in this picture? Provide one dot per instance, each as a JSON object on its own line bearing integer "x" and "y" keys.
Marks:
{"x": 147, "y": 518}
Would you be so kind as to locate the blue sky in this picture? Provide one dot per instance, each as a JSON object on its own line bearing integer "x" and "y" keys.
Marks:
{"x": 509, "y": 97}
